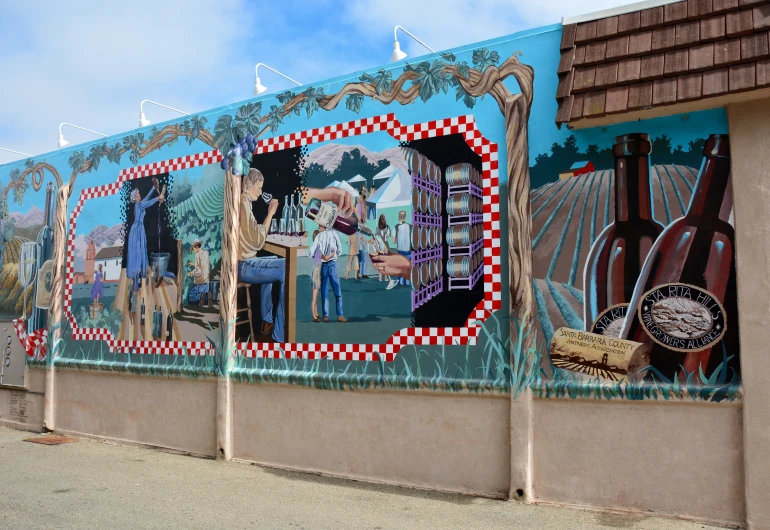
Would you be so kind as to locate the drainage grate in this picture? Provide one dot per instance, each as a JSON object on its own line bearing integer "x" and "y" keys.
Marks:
{"x": 51, "y": 440}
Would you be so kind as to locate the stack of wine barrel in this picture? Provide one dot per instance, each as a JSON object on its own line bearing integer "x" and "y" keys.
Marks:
{"x": 465, "y": 234}
{"x": 427, "y": 276}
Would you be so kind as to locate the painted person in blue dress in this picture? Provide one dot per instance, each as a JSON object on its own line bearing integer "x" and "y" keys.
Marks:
{"x": 137, "y": 265}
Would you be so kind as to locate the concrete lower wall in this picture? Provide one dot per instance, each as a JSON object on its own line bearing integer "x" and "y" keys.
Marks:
{"x": 447, "y": 442}
{"x": 681, "y": 459}
{"x": 176, "y": 414}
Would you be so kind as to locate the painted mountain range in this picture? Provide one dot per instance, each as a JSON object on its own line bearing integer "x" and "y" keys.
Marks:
{"x": 329, "y": 156}
{"x": 34, "y": 217}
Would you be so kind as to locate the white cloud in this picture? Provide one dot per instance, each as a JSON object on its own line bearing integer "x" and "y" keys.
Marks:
{"x": 91, "y": 62}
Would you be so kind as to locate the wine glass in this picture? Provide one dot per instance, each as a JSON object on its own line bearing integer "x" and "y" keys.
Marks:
{"x": 274, "y": 226}
{"x": 27, "y": 262}
{"x": 282, "y": 229}
{"x": 267, "y": 197}
{"x": 292, "y": 228}
{"x": 301, "y": 226}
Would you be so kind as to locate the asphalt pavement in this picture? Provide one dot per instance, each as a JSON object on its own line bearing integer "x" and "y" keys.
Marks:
{"x": 91, "y": 484}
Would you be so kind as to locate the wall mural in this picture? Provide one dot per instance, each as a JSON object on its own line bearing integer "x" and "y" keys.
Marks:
{"x": 371, "y": 242}
{"x": 639, "y": 247}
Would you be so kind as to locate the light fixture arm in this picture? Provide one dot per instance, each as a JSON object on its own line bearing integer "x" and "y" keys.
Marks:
{"x": 395, "y": 37}
{"x": 81, "y": 128}
{"x": 256, "y": 73}
{"x": 12, "y": 151}
{"x": 141, "y": 106}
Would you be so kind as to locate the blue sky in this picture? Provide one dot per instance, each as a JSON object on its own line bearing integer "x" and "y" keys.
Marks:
{"x": 91, "y": 65}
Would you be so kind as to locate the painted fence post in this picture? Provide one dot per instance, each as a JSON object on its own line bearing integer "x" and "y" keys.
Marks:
{"x": 228, "y": 308}
{"x": 56, "y": 308}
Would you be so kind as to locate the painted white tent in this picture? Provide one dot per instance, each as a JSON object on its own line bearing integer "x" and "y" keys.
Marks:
{"x": 397, "y": 191}
{"x": 357, "y": 178}
{"x": 345, "y": 186}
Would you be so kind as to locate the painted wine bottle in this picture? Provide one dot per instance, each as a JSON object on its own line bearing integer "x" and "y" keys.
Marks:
{"x": 44, "y": 264}
{"x": 684, "y": 305}
{"x": 325, "y": 214}
{"x": 616, "y": 257}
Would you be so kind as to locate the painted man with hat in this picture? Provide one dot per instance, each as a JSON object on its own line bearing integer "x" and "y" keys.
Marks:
{"x": 199, "y": 292}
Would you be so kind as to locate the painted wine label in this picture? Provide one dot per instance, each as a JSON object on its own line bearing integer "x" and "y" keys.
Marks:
{"x": 610, "y": 321}
{"x": 44, "y": 279}
{"x": 327, "y": 214}
{"x": 682, "y": 317}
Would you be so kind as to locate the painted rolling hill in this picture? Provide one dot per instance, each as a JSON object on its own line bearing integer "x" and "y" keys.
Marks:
{"x": 568, "y": 215}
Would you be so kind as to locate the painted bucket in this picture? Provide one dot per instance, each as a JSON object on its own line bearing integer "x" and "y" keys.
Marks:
{"x": 159, "y": 263}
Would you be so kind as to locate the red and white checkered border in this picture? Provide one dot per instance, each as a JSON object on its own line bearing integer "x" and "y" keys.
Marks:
{"x": 33, "y": 343}
{"x": 130, "y": 346}
{"x": 492, "y": 301}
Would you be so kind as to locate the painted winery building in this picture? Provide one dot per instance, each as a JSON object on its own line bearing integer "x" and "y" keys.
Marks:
{"x": 571, "y": 287}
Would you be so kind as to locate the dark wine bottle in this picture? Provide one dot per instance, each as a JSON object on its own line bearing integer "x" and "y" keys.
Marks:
{"x": 142, "y": 315}
{"x": 616, "y": 257}
{"x": 685, "y": 304}
{"x": 325, "y": 214}
{"x": 39, "y": 315}
{"x": 169, "y": 326}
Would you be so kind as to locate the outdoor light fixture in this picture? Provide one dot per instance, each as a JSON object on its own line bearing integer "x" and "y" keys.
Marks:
{"x": 144, "y": 122}
{"x": 397, "y": 53}
{"x": 12, "y": 151}
{"x": 63, "y": 142}
{"x": 259, "y": 87}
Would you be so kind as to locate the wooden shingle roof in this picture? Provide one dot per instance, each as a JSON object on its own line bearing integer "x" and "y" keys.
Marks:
{"x": 680, "y": 52}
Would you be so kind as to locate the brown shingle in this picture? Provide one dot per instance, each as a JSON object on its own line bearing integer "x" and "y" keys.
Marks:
{"x": 712, "y": 28}
{"x": 585, "y": 32}
{"x": 565, "y": 110}
{"x": 606, "y": 27}
{"x": 565, "y": 85}
{"x": 580, "y": 55}
{"x": 675, "y": 12}
{"x": 568, "y": 36}
{"x": 583, "y": 78}
{"x": 617, "y": 99}
{"x": 688, "y": 87}
{"x": 606, "y": 75}
{"x": 687, "y": 33}
{"x": 724, "y": 5}
{"x": 715, "y": 82}
{"x": 651, "y": 67}
{"x": 663, "y": 38}
{"x": 595, "y": 52}
{"x": 640, "y": 43}
{"x": 640, "y": 95}
{"x": 617, "y": 47}
{"x": 739, "y": 23}
{"x": 664, "y": 91}
{"x": 761, "y": 16}
{"x": 742, "y": 77}
{"x": 763, "y": 72}
{"x": 698, "y": 8}
{"x": 651, "y": 18}
{"x": 565, "y": 63}
{"x": 577, "y": 107}
{"x": 701, "y": 57}
{"x": 727, "y": 52}
{"x": 628, "y": 22}
{"x": 628, "y": 70}
{"x": 754, "y": 47}
{"x": 593, "y": 105}
{"x": 676, "y": 62}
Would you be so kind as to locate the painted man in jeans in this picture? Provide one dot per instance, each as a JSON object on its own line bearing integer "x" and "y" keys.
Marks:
{"x": 260, "y": 270}
{"x": 328, "y": 242}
